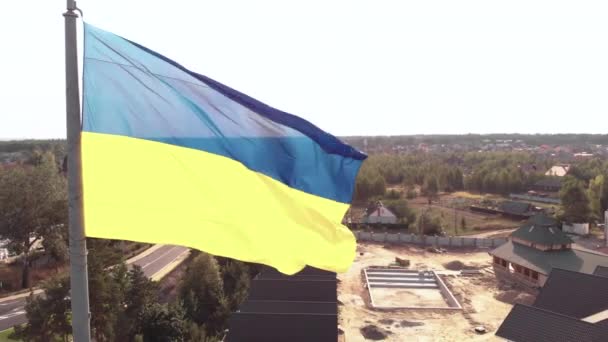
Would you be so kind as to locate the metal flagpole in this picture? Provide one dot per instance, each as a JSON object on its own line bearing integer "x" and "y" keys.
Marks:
{"x": 78, "y": 250}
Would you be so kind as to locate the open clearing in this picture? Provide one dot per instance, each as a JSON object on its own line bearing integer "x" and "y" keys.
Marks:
{"x": 484, "y": 301}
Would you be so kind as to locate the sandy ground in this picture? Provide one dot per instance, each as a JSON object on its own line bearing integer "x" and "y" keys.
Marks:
{"x": 484, "y": 303}
{"x": 494, "y": 233}
{"x": 411, "y": 297}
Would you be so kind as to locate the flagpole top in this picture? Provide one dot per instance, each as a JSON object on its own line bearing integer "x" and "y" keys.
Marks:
{"x": 71, "y": 8}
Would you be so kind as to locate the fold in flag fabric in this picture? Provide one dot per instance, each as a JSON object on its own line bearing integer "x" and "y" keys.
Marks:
{"x": 173, "y": 157}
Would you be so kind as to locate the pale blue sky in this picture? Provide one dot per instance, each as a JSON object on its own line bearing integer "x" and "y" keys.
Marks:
{"x": 350, "y": 67}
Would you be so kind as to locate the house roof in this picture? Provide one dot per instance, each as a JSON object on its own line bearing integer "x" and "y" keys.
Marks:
{"x": 554, "y": 182}
{"x": 558, "y": 170}
{"x": 301, "y": 308}
{"x": 544, "y": 261}
{"x": 573, "y": 294}
{"x": 513, "y": 207}
{"x": 381, "y": 210}
{"x": 542, "y": 229}
{"x": 530, "y": 324}
{"x": 601, "y": 271}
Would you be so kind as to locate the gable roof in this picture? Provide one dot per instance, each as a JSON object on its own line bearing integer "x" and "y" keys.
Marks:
{"x": 513, "y": 207}
{"x": 601, "y": 271}
{"x": 544, "y": 261}
{"x": 542, "y": 229}
{"x": 573, "y": 294}
{"x": 381, "y": 210}
{"x": 529, "y": 324}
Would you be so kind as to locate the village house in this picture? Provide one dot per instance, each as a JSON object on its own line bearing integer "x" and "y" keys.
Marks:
{"x": 516, "y": 210}
{"x": 553, "y": 184}
{"x": 536, "y": 248}
{"x": 559, "y": 170}
{"x": 380, "y": 214}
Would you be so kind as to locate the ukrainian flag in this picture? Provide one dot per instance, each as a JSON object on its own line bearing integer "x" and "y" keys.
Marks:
{"x": 174, "y": 157}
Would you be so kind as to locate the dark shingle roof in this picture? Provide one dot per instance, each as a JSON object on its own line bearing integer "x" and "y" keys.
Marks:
{"x": 601, "y": 271}
{"x": 573, "y": 294}
{"x": 542, "y": 229}
{"x": 554, "y": 182}
{"x": 299, "y": 308}
{"x": 542, "y": 220}
{"x": 513, "y": 207}
{"x": 544, "y": 262}
{"x": 530, "y": 324}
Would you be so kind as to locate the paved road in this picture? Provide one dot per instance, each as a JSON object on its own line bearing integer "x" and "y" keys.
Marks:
{"x": 12, "y": 311}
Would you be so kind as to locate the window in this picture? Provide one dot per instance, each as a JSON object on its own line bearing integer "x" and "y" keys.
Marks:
{"x": 496, "y": 260}
{"x": 564, "y": 246}
{"x": 517, "y": 268}
{"x": 527, "y": 272}
{"x": 534, "y": 275}
{"x": 504, "y": 263}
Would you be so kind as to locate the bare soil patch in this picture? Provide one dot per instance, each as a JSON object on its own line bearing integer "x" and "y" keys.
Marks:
{"x": 374, "y": 333}
{"x": 458, "y": 265}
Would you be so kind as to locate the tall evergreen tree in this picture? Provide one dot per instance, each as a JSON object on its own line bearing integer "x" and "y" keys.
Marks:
{"x": 202, "y": 294}
{"x": 595, "y": 192}
{"x": 163, "y": 323}
{"x": 575, "y": 203}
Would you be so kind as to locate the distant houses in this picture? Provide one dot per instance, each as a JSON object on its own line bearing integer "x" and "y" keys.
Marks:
{"x": 511, "y": 209}
{"x": 536, "y": 248}
{"x": 571, "y": 307}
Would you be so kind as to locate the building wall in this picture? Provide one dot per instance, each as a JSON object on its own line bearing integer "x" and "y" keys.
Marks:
{"x": 382, "y": 219}
{"x": 576, "y": 228}
{"x": 541, "y": 246}
{"x": 542, "y": 279}
{"x": 509, "y": 271}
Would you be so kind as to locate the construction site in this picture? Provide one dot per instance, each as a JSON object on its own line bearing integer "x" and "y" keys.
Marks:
{"x": 407, "y": 293}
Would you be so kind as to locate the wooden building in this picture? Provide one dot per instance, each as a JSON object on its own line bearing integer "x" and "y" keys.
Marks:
{"x": 537, "y": 247}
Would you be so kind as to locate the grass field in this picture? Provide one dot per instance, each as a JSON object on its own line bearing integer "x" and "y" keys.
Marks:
{"x": 475, "y": 222}
{"x": 4, "y": 335}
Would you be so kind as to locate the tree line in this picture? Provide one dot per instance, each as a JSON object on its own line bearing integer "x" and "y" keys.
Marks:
{"x": 476, "y": 139}
{"x": 124, "y": 304}
{"x": 490, "y": 172}
{"x": 584, "y": 192}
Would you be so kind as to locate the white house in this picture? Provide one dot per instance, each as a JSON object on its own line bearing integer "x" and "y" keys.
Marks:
{"x": 381, "y": 215}
{"x": 558, "y": 170}
{"x": 576, "y": 228}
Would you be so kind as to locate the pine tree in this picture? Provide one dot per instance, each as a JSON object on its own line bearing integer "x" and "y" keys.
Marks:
{"x": 575, "y": 203}
{"x": 48, "y": 316}
{"x": 202, "y": 294}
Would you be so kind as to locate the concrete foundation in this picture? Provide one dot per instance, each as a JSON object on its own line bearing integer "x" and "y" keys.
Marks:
{"x": 399, "y": 288}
